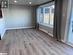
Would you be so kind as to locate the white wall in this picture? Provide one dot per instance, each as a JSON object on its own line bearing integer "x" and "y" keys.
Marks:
{"x": 18, "y": 16}
{"x": 2, "y": 27}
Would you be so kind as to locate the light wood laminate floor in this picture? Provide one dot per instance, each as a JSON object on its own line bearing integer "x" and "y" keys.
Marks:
{"x": 32, "y": 42}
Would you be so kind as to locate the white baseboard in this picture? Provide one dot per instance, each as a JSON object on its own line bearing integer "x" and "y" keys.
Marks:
{"x": 70, "y": 44}
{"x": 43, "y": 30}
{"x": 50, "y": 34}
{"x": 63, "y": 41}
{"x": 15, "y": 28}
{"x": 46, "y": 32}
{"x": 3, "y": 33}
{"x": 20, "y": 28}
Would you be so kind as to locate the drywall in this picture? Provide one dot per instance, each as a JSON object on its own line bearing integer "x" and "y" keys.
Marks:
{"x": 17, "y": 16}
{"x": 2, "y": 27}
{"x": 48, "y": 30}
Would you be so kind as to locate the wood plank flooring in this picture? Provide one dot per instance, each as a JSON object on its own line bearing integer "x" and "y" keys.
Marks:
{"x": 32, "y": 42}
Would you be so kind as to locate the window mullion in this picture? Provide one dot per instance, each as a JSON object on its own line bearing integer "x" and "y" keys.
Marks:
{"x": 49, "y": 16}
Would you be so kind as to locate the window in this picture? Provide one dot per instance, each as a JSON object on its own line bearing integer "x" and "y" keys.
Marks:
{"x": 46, "y": 15}
{"x": 49, "y": 15}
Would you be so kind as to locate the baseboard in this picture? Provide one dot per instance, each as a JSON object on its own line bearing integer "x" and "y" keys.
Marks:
{"x": 70, "y": 44}
{"x": 3, "y": 33}
{"x": 15, "y": 28}
{"x": 46, "y": 32}
{"x": 43, "y": 30}
{"x": 50, "y": 34}
{"x": 63, "y": 41}
{"x": 20, "y": 28}
{"x": 67, "y": 43}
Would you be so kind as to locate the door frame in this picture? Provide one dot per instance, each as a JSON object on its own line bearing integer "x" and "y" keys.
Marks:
{"x": 69, "y": 24}
{"x": 66, "y": 36}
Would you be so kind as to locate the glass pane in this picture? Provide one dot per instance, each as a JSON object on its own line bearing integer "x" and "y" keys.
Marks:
{"x": 46, "y": 18}
{"x": 52, "y": 16}
{"x": 47, "y": 10}
{"x": 41, "y": 15}
{"x": 46, "y": 15}
{"x": 52, "y": 10}
{"x": 41, "y": 10}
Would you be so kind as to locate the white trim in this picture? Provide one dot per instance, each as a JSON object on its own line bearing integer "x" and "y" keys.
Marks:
{"x": 43, "y": 30}
{"x": 15, "y": 28}
{"x": 20, "y": 27}
{"x": 50, "y": 34}
{"x": 63, "y": 41}
{"x": 70, "y": 44}
{"x": 46, "y": 5}
{"x": 3, "y": 33}
{"x": 3, "y": 53}
{"x": 67, "y": 21}
{"x": 46, "y": 32}
{"x": 51, "y": 26}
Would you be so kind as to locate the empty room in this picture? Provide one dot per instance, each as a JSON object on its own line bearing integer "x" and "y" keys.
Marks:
{"x": 36, "y": 27}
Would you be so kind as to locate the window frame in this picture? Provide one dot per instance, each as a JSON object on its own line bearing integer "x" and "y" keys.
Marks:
{"x": 41, "y": 18}
{"x": 49, "y": 15}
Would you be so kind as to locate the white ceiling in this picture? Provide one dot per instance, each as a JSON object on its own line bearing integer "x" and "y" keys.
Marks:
{"x": 26, "y": 2}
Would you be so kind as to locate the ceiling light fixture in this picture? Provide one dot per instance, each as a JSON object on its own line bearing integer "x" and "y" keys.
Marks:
{"x": 5, "y": 2}
{"x": 15, "y": 1}
{"x": 30, "y": 2}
